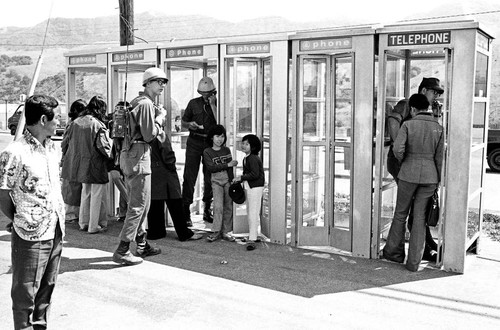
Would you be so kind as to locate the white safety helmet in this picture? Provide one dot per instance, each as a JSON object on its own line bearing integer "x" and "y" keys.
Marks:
{"x": 152, "y": 74}
{"x": 206, "y": 84}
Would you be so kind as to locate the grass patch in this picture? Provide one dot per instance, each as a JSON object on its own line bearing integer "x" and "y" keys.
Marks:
{"x": 491, "y": 226}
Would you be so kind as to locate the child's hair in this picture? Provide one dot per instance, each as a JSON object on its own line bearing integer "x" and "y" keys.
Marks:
{"x": 254, "y": 142}
{"x": 216, "y": 130}
{"x": 419, "y": 102}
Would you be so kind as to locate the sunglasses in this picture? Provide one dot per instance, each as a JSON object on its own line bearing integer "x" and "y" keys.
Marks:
{"x": 436, "y": 93}
{"x": 161, "y": 82}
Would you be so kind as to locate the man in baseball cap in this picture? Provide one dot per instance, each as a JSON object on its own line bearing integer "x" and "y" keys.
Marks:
{"x": 431, "y": 84}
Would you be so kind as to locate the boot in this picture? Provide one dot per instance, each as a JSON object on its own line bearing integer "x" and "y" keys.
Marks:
{"x": 187, "y": 214}
{"x": 143, "y": 247}
{"x": 123, "y": 256}
{"x": 207, "y": 213}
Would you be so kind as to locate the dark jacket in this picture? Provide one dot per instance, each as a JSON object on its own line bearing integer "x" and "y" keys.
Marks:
{"x": 253, "y": 171}
{"x": 86, "y": 151}
{"x": 419, "y": 148}
{"x": 165, "y": 182}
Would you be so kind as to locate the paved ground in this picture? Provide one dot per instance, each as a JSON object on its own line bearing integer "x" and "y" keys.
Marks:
{"x": 273, "y": 287}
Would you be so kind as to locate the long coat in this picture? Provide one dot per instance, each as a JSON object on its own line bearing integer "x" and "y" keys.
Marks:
{"x": 86, "y": 151}
{"x": 419, "y": 148}
{"x": 165, "y": 182}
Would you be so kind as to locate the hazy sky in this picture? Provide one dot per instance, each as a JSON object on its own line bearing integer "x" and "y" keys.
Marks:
{"x": 31, "y": 12}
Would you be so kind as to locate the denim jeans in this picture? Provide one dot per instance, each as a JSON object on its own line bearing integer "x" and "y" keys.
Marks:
{"x": 136, "y": 166}
{"x": 419, "y": 194}
{"x": 223, "y": 208}
{"x": 35, "y": 265}
{"x": 194, "y": 155}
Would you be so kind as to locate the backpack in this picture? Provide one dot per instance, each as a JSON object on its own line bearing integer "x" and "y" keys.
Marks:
{"x": 120, "y": 130}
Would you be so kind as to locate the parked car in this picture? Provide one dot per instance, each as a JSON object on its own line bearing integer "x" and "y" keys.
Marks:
{"x": 13, "y": 121}
{"x": 493, "y": 149}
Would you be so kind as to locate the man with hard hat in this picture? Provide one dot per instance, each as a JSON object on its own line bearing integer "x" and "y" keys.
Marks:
{"x": 199, "y": 117}
{"x": 144, "y": 125}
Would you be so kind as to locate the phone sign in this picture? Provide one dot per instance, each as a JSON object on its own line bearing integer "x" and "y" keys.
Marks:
{"x": 419, "y": 38}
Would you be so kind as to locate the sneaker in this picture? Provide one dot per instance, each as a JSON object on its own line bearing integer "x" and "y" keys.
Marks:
{"x": 195, "y": 237}
{"x": 147, "y": 251}
{"x": 246, "y": 239}
{"x": 213, "y": 237}
{"x": 250, "y": 246}
{"x": 126, "y": 259}
{"x": 99, "y": 230}
{"x": 84, "y": 228}
{"x": 228, "y": 237}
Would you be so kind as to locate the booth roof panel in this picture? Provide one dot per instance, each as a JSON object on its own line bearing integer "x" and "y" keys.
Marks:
{"x": 176, "y": 43}
{"x": 419, "y": 26}
{"x": 132, "y": 47}
{"x": 341, "y": 31}
{"x": 261, "y": 37}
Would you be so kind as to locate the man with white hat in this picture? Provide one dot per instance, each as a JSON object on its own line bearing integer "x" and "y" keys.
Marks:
{"x": 145, "y": 124}
{"x": 199, "y": 117}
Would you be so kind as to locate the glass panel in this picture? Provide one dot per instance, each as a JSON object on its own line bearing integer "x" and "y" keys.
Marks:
{"x": 481, "y": 79}
{"x": 478, "y": 123}
{"x": 342, "y": 187}
{"x": 314, "y": 99}
{"x": 343, "y": 99}
{"x": 246, "y": 98}
{"x": 473, "y": 218}
{"x": 395, "y": 91}
{"x": 395, "y": 87}
{"x": 476, "y": 170}
{"x": 134, "y": 84}
{"x": 265, "y": 196}
{"x": 313, "y": 182}
{"x": 183, "y": 84}
{"x": 89, "y": 84}
{"x": 428, "y": 67}
{"x": 387, "y": 211}
{"x": 265, "y": 142}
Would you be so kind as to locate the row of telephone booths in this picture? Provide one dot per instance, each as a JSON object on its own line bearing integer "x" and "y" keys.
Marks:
{"x": 319, "y": 101}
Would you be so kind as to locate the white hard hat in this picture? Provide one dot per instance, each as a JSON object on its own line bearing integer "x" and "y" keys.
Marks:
{"x": 206, "y": 84}
{"x": 152, "y": 74}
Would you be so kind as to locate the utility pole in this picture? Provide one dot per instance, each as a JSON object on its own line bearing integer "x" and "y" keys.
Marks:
{"x": 126, "y": 22}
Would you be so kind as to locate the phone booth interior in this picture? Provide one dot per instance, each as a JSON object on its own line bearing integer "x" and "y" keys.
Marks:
{"x": 253, "y": 89}
{"x": 459, "y": 55}
{"x": 86, "y": 75}
{"x": 185, "y": 63}
{"x": 332, "y": 84}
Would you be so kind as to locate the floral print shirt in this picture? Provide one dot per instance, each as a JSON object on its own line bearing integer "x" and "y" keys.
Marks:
{"x": 31, "y": 172}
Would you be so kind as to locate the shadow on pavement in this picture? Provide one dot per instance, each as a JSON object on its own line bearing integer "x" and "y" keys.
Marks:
{"x": 282, "y": 268}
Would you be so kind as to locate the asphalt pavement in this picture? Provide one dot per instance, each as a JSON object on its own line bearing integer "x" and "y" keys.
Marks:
{"x": 220, "y": 285}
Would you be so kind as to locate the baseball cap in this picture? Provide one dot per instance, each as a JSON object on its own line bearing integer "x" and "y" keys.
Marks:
{"x": 431, "y": 83}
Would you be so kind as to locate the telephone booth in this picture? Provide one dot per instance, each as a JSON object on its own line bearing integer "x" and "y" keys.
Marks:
{"x": 86, "y": 75}
{"x": 126, "y": 67}
{"x": 185, "y": 62}
{"x": 254, "y": 91}
{"x": 331, "y": 145}
{"x": 459, "y": 55}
